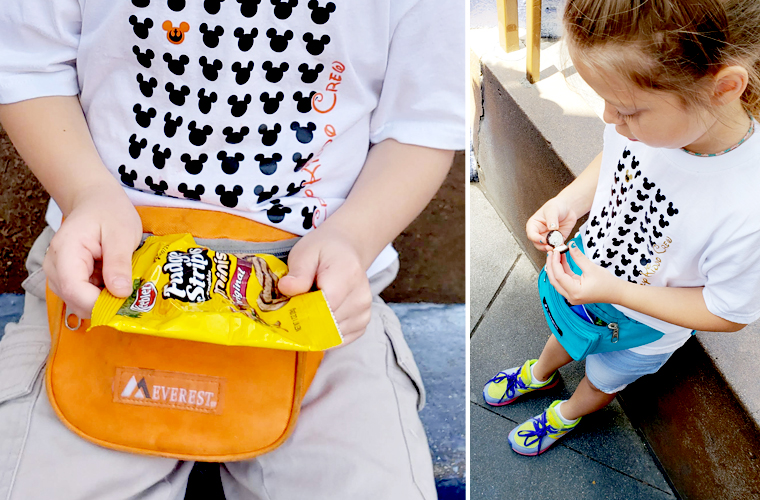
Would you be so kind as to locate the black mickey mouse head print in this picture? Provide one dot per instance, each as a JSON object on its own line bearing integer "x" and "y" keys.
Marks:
{"x": 611, "y": 253}
{"x": 198, "y": 136}
{"x": 143, "y": 117}
{"x": 310, "y": 75}
{"x": 212, "y": 6}
{"x": 248, "y": 8}
{"x": 672, "y": 211}
{"x": 303, "y": 103}
{"x": 641, "y": 196}
{"x": 192, "y": 194}
{"x": 590, "y": 242}
{"x": 245, "y": 40}
{"x": 620, "y": 167}
{"x": 135, "y": 146}
{"x": 176, "y": 5}
{"x": 594, "y": 222}
{"x": 141, "y": 3}
{"x": 170, "y": 126}
{"x": 619, "y": 272}
{"x": 277, "y": 212}
{"x": 160, "y": 157}
{"x": 205, "y": 101}
{"x": 625, "y": 260}
{"x": 638, "y": 239}
{"x": 283, "y": 9}
{"x": 211, "y": 37}
{"x": 635, "y": 207}
{"x": 157, "y": 188}
{"x": 659, "y": 197}
{"x": 146, "y": 86}
{"x": 631, "y": 250}
{"x": 662, "y": 222}
{"x": 596, "y": 254}
{"x": 642, "y": 228}
{"x": 229, "y": 198}
{"x": 233, "y": 137}
{"x": 176, "y": 66}
{"x": 279, "y": 43}
{"x": 656, "y": 233}
{"x": 315, "y": 46}
{"x": 629, "y": 220}
{"x": 230, "y": 164}
{"x": 636, "y": 271}
{"x": 268, "y": 166}
{"x": 626, "y": 153}
{"x": 308, "y": 217}
{"x": 263, "y": 194}
{"x": 242, "y": 73}
{"x": 127, "y": 178}
{"x": 210, "y": 70}
{"x": 304, "y": 134}
{"x": 616, "y": 242}
{"x": 274, "y": 73}
{"x": 644, "y": 261}
{"x": 143, "y": 58}
{"x": 271, "y": 104}
{"x": 194, "y": 167}
{"x": 648, "y": 185}
{"x": 177, "y": 96}
{"x": 239, "y": 107}
{"x": 293, "y": 189}
{"x": 269, "y": 136}
{"x": 652, "y": 208}
{"x": 141, "y": 29}
{"x": 320, "y": 15}
{"x": 301, "y": 161}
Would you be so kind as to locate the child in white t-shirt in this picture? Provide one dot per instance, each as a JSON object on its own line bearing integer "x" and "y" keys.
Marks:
{"x": 671, "y": 240}
{"x": 263, "y": 109}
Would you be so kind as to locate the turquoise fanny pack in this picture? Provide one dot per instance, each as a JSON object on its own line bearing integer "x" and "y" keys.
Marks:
{"x": 580, "y": 337}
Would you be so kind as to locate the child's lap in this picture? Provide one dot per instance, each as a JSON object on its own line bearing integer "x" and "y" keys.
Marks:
{"x": 358, "y": 432}
{"x": 611, "y": 372}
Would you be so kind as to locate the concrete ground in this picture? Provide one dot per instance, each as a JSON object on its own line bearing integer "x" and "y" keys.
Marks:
{"x": 604, "y": 458}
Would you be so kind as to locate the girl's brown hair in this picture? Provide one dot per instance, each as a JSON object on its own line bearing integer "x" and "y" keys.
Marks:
{"x": 679, "y": 44}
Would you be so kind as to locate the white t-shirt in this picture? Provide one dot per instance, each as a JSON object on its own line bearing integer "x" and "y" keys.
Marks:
{"x": 663, "y": 217}
{"x": 264, "y": 109}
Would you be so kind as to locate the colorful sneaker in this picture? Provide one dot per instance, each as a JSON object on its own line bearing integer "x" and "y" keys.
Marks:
{"x": 538, "y": 434}
{"x": 513, "y": 383}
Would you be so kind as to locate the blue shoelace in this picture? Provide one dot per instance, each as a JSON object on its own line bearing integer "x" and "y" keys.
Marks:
{"x": 540, "y": 429}
{"x": 512, "y": 383}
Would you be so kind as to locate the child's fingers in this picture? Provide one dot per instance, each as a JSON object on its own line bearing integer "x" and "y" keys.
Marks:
{"x": 68, "y": 270}
{"x": 302, "y": 271}
{"x": 118, "y": 246}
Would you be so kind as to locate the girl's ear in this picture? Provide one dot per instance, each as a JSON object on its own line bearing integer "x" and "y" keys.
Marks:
{"x": 730, "y": 83}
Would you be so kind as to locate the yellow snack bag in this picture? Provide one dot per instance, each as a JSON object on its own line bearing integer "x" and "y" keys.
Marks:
{"x": 185, "y": 291}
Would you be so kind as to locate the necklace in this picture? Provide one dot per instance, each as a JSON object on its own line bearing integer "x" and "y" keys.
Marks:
{"x": 746, "y": 136}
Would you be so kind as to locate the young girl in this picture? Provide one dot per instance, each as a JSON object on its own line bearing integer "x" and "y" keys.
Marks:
{"x": 672, "y": 239}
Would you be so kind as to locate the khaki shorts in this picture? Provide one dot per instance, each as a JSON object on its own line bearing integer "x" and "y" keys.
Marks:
{"x": 358, "y": 436}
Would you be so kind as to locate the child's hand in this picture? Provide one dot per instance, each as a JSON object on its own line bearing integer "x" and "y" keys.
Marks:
{"x": 596, "y": 284}
{"x": 102, "y": 227}
{"x": 328, "y": 258}
{"x": 553, "y": 215}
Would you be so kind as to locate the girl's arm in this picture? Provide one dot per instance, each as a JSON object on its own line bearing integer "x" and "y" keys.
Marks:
{"x": 564, "y": 210}
{"x": 101, "y": 224}
{"x": 680, "y": 306}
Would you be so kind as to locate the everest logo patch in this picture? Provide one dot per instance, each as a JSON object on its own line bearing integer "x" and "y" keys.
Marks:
{"x": 146, "y": 298}
{"x": 175, "y": 390}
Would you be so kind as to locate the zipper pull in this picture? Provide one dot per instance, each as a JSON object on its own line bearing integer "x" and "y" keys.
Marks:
{"x": 615, "y": 332}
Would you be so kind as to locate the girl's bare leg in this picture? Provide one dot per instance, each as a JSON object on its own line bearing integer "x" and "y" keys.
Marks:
{"x": 552, "y": 357}
{"x": 586, "y": 399}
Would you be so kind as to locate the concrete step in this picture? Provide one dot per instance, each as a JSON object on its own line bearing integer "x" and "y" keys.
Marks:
{"x": 701, "y": 413}
{"x": 434, "y": 333}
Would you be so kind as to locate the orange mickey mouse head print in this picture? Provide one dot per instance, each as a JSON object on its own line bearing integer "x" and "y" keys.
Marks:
{"x": 175, "y": 35}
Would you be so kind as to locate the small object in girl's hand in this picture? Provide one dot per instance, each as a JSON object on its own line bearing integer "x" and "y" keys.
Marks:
{"x": 556, "y": 241}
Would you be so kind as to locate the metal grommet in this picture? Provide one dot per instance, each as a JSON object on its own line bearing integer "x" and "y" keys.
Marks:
{"x": 66, "y": 320}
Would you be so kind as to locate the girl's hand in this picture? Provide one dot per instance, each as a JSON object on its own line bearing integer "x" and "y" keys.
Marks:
{"x": 329, "y": 259}
{"x": 555, "y": 214}
{"x": 596, "y": 284}
{"x": 94, "y": 246}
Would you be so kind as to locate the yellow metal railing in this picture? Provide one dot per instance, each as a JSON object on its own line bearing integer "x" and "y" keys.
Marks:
{"x": 508, "y": 38}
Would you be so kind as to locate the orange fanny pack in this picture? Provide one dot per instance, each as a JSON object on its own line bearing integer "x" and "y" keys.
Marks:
{"x": 177, "y": 398}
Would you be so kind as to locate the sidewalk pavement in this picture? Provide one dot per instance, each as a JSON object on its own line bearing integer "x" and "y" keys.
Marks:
{"x": 605, "y": 458}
